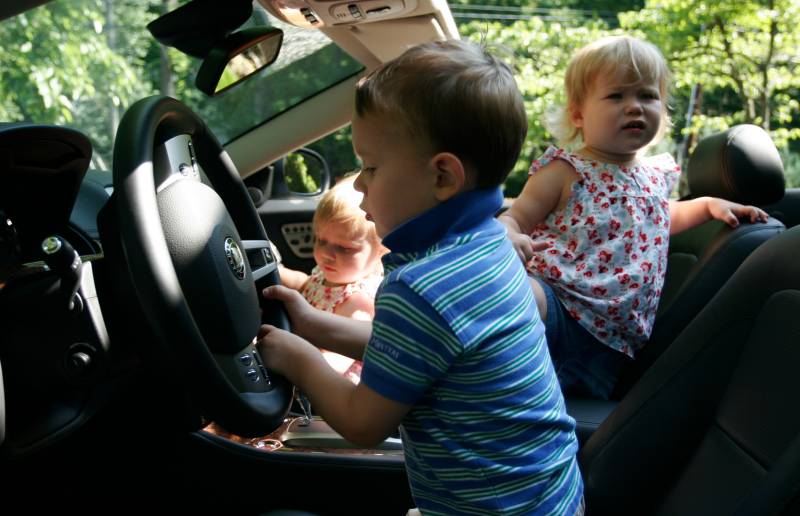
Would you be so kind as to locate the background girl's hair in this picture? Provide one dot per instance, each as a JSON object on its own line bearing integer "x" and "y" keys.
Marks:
{"x": 340, "y": 205}
{"x": 638, "y": 59}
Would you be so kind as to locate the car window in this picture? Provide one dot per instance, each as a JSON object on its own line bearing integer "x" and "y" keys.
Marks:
{"x": 99, "y": 58}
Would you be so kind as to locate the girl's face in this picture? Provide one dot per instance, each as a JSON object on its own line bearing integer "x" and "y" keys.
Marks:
{"x": 344, "y": 259}
{"x": 618, "y": 118}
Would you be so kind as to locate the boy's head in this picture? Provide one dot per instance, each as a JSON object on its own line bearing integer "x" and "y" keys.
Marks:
{"x": 442, "y": 118}
{"x": 637, "y": 60}
{"x": 451, "y": 96}
{"x": 346, "y": 245}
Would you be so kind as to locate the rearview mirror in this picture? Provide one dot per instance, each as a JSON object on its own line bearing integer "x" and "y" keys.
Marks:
{"x": 239, "y": 56}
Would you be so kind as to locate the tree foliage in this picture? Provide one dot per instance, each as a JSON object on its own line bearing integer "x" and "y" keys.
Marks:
{"x": 746, "y": 54}
{"x": 97, "y": 60}
{"x": 302, "y": 174}
{"x": 94, "y": 62}
{"x": 539, "y": 52}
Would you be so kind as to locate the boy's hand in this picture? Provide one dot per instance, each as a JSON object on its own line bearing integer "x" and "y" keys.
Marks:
{"x": 281, "y": 351}
{"x": 296, "y": 305}
{"x": 730, "y": 212}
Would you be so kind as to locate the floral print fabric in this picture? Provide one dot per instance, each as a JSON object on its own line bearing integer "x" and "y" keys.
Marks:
{"x": 327, "y": 298}
{"x": 607, "y": 252}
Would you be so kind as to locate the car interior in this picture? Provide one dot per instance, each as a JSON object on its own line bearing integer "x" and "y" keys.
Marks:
{"x": 129, "y": 379}
{"x": 706, "y": 429}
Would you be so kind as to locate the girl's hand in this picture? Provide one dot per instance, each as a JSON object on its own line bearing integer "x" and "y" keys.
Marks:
{"x": 525, "y": 246}
{"x": 730, "y": 212}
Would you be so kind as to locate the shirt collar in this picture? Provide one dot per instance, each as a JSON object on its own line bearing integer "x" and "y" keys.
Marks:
{"x": 455, "y": 216}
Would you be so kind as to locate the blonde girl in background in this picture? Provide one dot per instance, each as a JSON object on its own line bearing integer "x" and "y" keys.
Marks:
{"x": 347, "y": 252}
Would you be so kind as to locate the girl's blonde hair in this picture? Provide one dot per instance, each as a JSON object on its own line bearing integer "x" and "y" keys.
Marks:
{"x": 340, "y": 205}
{"x": 639, "y": 60}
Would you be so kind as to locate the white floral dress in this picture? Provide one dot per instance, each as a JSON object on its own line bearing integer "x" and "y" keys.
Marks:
{"x": 329, "y": 297}
{"x": 607, "y": 252}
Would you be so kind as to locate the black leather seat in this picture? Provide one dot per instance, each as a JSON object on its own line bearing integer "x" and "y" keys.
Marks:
{"x": 713, "y": 427}
{"x": 741, "y": 165}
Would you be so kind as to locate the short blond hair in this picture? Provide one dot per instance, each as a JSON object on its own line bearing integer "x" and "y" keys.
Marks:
{"x": 452, "y": 96}
{"x": 638, "y": 59}
{"x": 340, "y": 205}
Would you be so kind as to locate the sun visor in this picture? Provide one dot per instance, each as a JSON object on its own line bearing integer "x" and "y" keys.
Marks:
{"x": 196, "y": 26}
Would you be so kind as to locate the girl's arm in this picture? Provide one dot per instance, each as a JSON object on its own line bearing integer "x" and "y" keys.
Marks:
{"x": 688, "y": 214}
{"x": 358, "y": 306}
{"x": 545, "y": 191}
{"x": 358, "y": 413}
{"x": 292, "y": 278}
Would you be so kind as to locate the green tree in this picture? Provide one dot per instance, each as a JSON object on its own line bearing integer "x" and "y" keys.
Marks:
{"x": 96, "y": 61}
{"x": 299, "y": 177}
{"x": 539, "y": 51}
{"x": 745, "y": 54}
{"x": 64, "y": 68}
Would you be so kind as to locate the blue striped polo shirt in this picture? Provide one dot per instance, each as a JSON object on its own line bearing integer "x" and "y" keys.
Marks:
{"x": 457, "y": 335}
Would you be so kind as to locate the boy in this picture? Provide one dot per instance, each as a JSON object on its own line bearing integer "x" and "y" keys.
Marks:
{"x": 456, "y": 352}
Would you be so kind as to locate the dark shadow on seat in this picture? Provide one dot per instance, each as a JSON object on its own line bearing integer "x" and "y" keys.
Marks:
{"x": 713, "y": 427}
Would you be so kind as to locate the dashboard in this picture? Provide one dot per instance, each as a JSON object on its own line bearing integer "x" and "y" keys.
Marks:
{"x": 47, "y": 188}
{"x": 41, "y": 171}
{"x": 47, "y": 333}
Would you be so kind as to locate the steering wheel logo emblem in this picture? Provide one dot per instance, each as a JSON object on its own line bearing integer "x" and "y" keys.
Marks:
{"x": 235, "y": 258}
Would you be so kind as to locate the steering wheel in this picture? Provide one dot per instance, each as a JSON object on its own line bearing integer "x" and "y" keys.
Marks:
{"x": 196, "y": 255}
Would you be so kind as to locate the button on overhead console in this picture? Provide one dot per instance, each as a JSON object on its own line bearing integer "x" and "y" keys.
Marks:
{"x": 369, "y": 10}
{"x": 353, "y": 8}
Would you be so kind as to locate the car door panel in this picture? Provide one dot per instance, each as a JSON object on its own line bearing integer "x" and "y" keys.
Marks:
{"x": 288, "y": 224}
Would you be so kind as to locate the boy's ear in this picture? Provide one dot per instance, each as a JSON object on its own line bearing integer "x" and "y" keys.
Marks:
{"x": 451, "y": 176}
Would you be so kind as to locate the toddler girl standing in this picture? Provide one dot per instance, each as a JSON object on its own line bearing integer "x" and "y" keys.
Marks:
{"x": 347, "y": 251}
{"x": 593, "y": 224}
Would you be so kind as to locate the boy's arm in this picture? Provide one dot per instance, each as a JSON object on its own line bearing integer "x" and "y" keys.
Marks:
{"x": 348, "y": 337}
{"x": 544, "y": 192}
{"x": 292, "y": 278}
{"x": 358, "y": 413}
{"x": 688, "y": 214}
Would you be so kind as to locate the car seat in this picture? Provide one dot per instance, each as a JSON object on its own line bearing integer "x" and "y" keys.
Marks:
{"x": 713, "y": 427}
{"x": 741, "y": 165}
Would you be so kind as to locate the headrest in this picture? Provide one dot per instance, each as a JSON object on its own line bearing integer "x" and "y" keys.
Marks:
{"x": 740, "y": 164}
{"x": 41, "y": 169}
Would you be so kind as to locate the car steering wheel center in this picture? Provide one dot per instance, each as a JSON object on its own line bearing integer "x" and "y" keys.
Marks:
{"x": 235, "y": 258}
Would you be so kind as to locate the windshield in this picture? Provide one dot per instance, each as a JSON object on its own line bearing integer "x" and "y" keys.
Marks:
{"x": 81, "y": 63}
{"x": 98, "y": 58}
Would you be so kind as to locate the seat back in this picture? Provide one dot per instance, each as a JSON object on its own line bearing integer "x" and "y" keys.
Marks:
{"x": 741, "y": 165}
{"x": 713, "y": 427}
